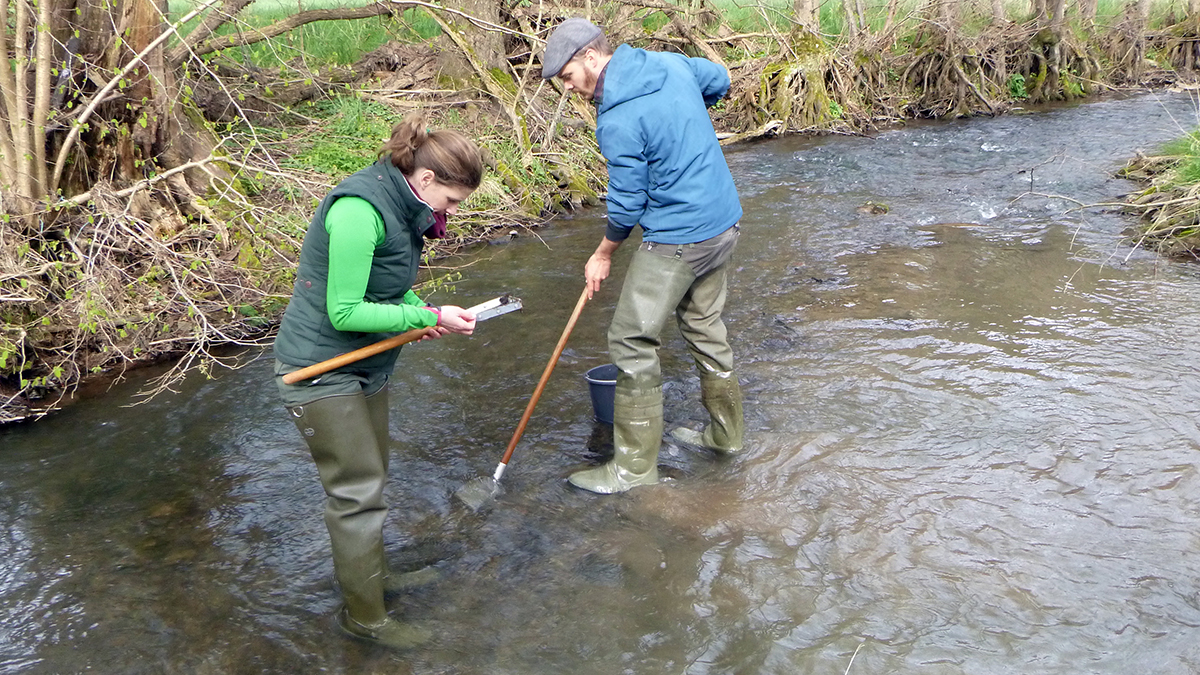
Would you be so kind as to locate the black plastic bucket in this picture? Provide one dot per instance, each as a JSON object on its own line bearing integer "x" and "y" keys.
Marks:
{"x": 602, "y": 385}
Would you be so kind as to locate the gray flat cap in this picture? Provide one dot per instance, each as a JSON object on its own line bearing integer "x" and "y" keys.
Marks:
{"x": 566, "y": 41}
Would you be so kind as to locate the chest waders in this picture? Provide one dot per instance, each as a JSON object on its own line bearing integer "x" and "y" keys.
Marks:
{"x": 658, "y": 283}
{"x": 347, "y": 435}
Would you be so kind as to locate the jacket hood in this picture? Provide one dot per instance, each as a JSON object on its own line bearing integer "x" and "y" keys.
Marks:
{"x": 630, "y": 75}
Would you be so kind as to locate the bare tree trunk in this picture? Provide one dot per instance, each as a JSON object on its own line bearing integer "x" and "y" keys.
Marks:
{"x": 21, "y": 97}
{"x": 488, "y": 45}
{"x": 998, "y": 11}
{"x": 24, "y": 99}
{"x": 807, "y": 13}
{"x": 1087, "y": 12}
{"x": 147, "y": 80}
{"x": 1055, "y": 10}
{"x": 856, "y": 16}
{"x": 41, "y": 92}
{"x": 10, "y": 130}
{"x": 893, "y": 9}
{"x": 853, "y": 26}
{"x": 1193, "y": 9}
{"x": 94, "y": 22}
{"x": 1138, "y": 13}
{"x": 1038, "y": 9}
{"x": 944, "y": 12}
{"x": 122, "y": 121}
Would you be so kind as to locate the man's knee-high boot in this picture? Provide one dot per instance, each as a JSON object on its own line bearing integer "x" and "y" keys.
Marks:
{"x": 722, "y": 397}
{"x": 341, "y": 435}
{"x": 637, "y": 435}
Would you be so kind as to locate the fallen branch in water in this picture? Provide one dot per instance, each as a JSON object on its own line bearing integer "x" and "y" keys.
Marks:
{"x": 769, "y": 129}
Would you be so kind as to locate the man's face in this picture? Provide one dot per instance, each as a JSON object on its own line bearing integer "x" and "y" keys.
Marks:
{"x": 580, "y": 73}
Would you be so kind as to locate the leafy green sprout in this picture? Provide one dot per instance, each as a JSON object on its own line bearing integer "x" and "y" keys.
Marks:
{"x": 1016, "y": 87}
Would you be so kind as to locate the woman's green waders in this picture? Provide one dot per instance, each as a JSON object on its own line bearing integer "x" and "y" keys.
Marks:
{"x": 347, "y": 435}
{"x": 659, "y": 282}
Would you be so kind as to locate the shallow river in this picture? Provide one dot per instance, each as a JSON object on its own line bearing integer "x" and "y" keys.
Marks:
{"x": 972, "y": 448}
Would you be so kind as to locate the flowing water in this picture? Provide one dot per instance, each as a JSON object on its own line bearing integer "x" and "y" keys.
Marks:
{"x": 972, "y": 448}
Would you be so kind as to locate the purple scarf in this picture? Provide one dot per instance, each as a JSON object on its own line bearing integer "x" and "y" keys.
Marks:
{"x": 438, "y": 229}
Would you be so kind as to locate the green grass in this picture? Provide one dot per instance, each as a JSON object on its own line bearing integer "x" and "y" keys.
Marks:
{"x": 1187, "y": 150}
{"x": 350, "y": 135}
{"x": 350, "y": 132}
{"x": 340, "y": 43}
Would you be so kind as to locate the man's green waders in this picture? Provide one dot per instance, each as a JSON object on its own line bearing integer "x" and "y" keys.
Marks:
{"x": 659, "y": 282}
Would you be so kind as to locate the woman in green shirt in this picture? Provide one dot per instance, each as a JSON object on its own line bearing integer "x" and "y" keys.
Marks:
{"x": 353, "y": 287}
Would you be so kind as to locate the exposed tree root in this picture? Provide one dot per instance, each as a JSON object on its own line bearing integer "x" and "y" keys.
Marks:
{"x": 1180, "y": 45}
{"x": 788, "y": 89}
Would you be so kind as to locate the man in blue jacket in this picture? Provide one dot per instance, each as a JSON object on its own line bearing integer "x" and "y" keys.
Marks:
{"x": 667, "y": 174}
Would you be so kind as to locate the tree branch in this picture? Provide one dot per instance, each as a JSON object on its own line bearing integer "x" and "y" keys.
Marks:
{"x": 83, "y": 198}
{"x": 685, "y": 29}
{"x": 716, "y": 40}
{"x": 276, "y": 29}
{"x": 507, "y": 101}
{"x": 41, "y": 89}
{"x": 8, "y": 128}
{"x": 21, "y": 137}
{"x": 477, "y": 22}
{"x": 295, "y": 21}
{"x": 958, "y": 71}
{"x": 211, "y": 23}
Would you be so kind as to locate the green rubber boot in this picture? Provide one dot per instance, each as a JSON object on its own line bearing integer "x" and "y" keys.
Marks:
{"x": 377, "y": 410}
{"x": 399, "y": 582}
{"x": 341, "y": 435}
{"x": 406, "y": 581}
{"x": 388, "y": 632}
{"x": 722, "y": 397}
{"x": 637, "y": 435}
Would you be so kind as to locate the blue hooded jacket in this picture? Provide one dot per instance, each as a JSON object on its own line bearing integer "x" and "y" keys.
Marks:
{"x": 666, "y": 171}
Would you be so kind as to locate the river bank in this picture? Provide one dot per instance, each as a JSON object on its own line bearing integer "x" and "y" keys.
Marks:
{"x": 1168, "y": 205}
{"x": 102, "y": 291}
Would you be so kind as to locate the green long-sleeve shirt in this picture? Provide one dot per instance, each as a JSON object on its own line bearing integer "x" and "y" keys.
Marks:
{"x": 355, "y": 229}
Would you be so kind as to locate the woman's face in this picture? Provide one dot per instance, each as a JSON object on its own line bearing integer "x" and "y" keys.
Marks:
{"x": 441, "y": 197}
